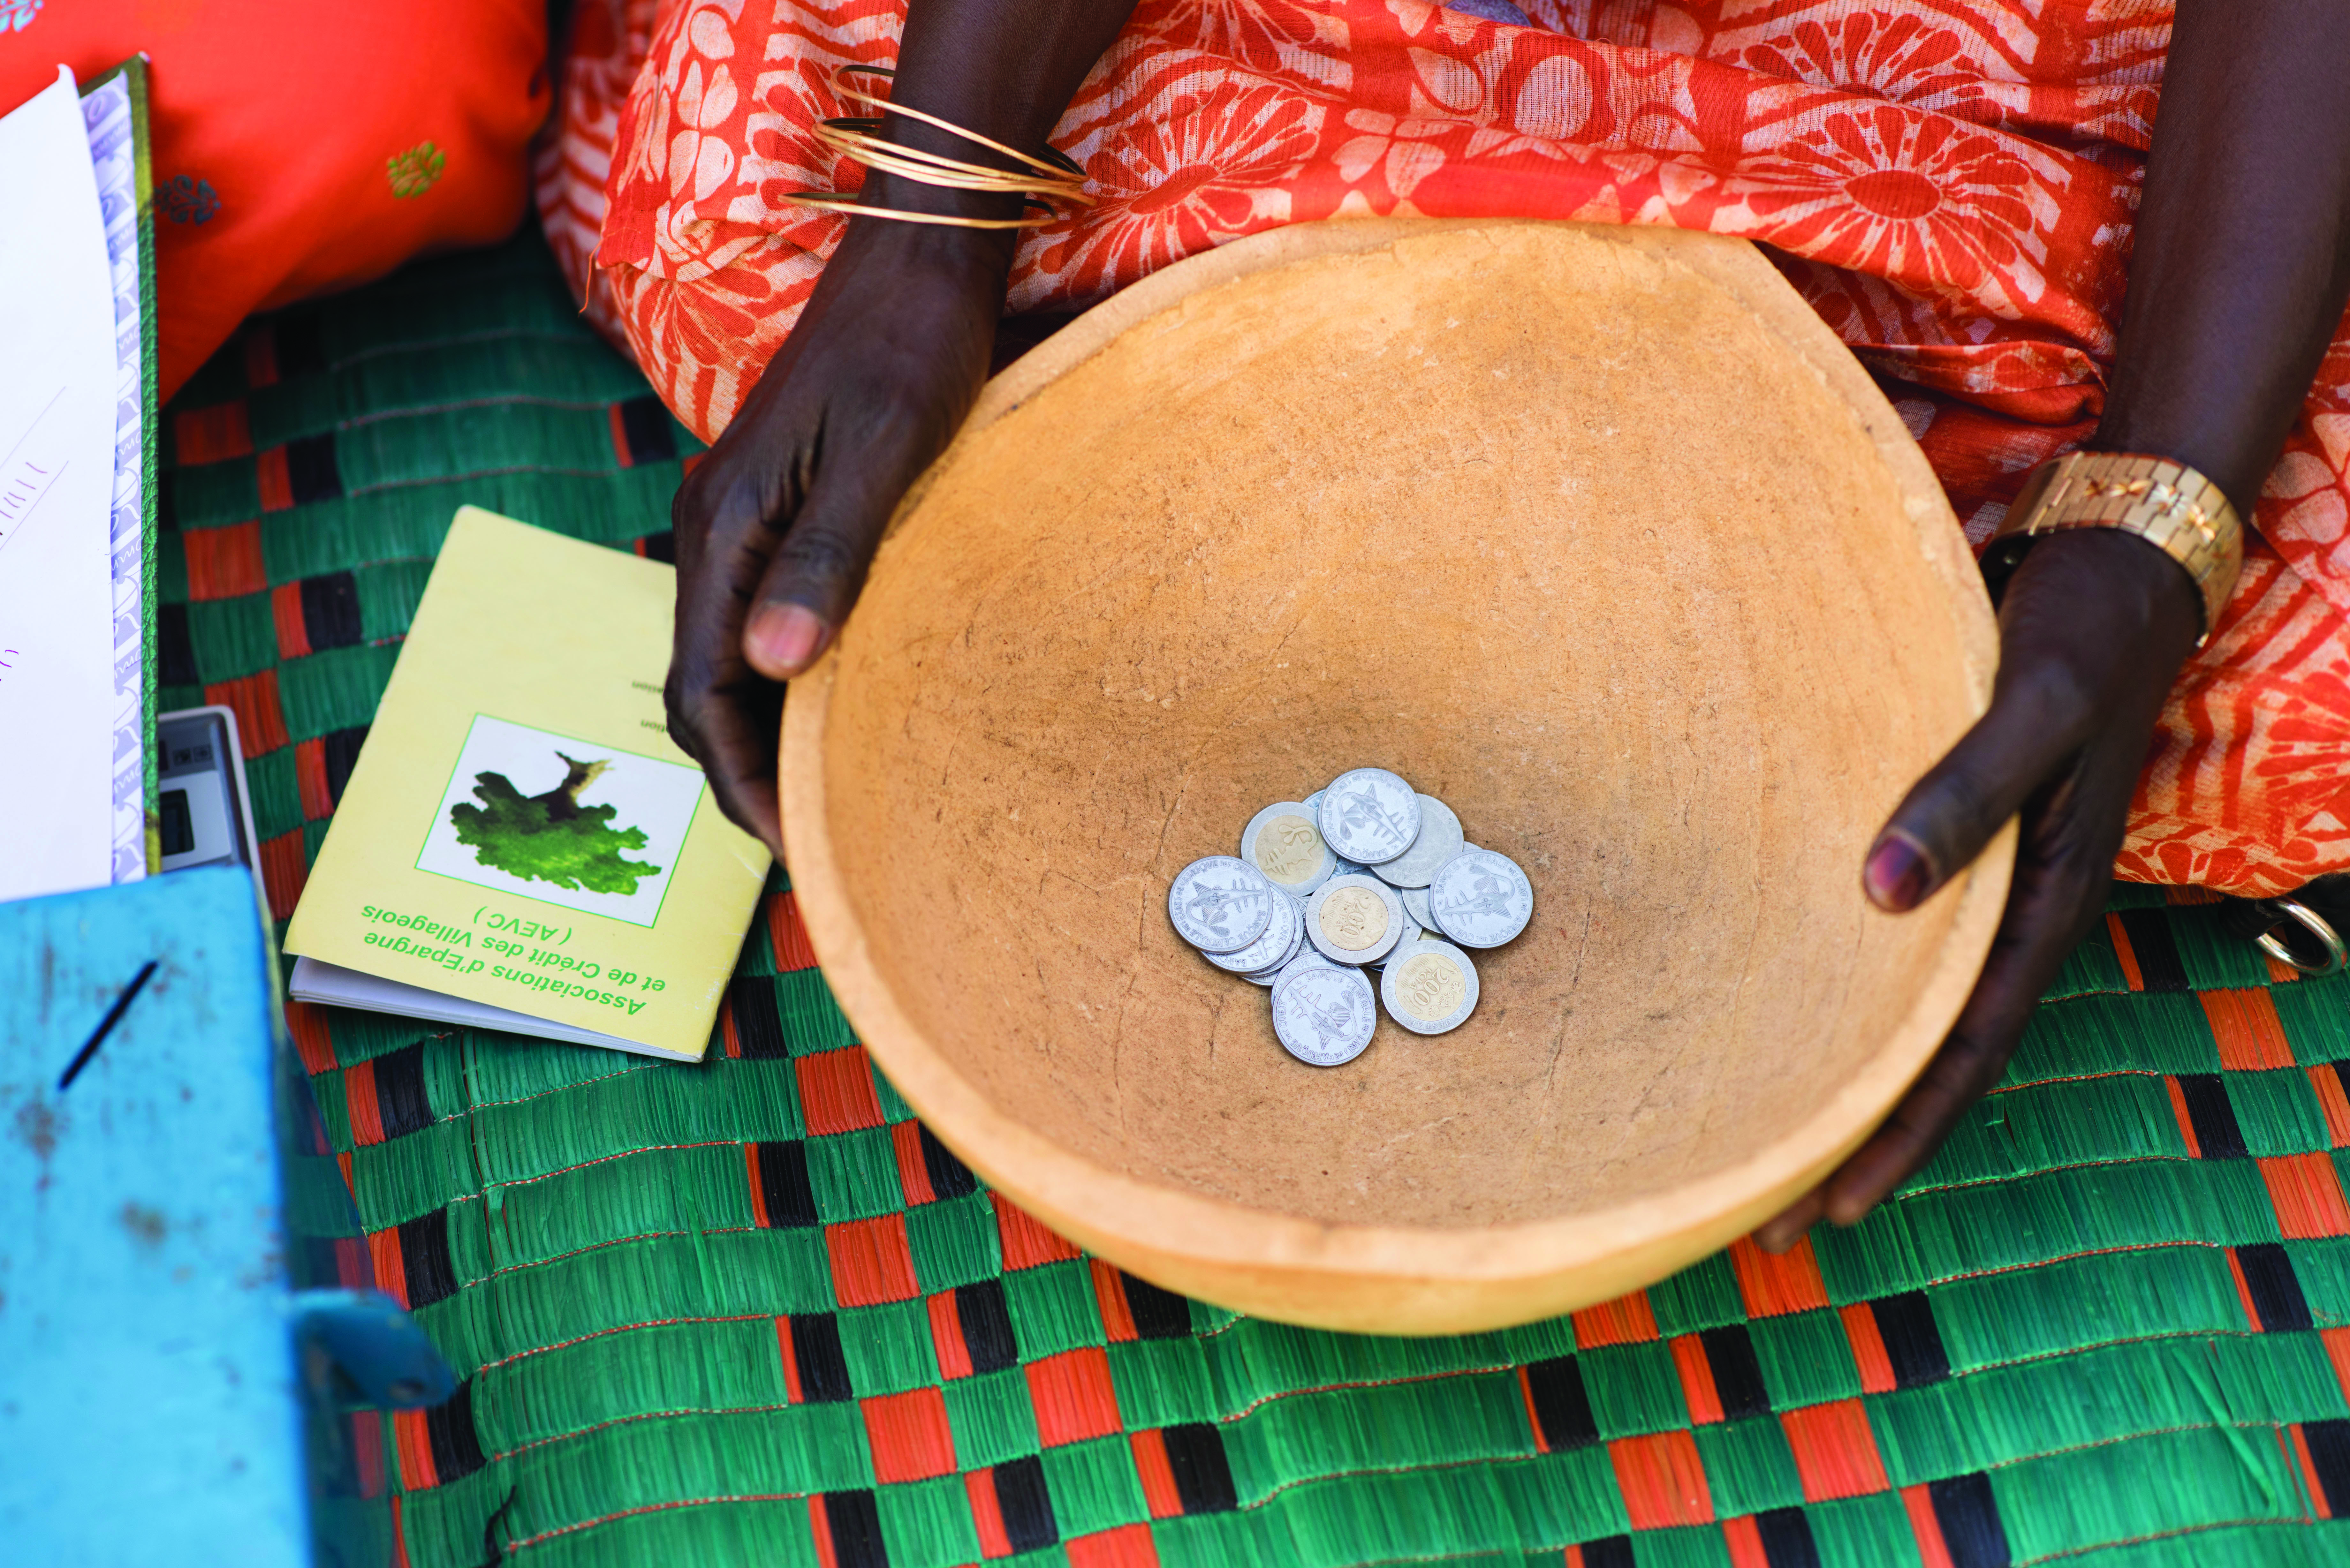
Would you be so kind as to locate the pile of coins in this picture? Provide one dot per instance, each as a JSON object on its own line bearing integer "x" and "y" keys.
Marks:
{"x": 1365, "y": 874}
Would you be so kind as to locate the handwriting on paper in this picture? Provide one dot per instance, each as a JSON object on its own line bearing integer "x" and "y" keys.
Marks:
{"x": 26, "y": 474}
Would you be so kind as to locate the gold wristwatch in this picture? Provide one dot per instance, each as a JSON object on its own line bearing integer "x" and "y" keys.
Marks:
{"x": 2168, "y": 504}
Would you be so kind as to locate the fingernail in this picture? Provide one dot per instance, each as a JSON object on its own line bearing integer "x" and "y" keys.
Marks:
{"x": 1898, "y": 874}
{"x": 782, "y": 639}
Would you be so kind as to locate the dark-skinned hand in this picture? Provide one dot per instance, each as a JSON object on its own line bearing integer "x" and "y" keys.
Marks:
{"x": 776, "y": 526}
{"x": 2092, "y": 628}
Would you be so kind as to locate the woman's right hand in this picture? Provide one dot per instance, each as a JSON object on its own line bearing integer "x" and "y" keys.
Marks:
{"x": 776, "y": 526}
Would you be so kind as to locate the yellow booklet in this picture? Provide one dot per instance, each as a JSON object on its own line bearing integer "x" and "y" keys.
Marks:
{"x": 521, "y": 846}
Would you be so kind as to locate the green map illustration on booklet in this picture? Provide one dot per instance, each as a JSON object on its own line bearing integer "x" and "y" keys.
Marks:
{"x": 521, "y": 846}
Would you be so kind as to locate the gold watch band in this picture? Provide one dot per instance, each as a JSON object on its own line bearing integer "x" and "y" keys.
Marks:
{"x": 2168, "y": 505}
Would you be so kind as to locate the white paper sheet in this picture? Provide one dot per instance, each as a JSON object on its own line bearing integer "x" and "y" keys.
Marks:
{"x": 58, "y": 419}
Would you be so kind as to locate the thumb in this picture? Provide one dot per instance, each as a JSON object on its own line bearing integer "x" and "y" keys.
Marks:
{"x": 815, "y": 574}
{"x": 2034, "y": 725}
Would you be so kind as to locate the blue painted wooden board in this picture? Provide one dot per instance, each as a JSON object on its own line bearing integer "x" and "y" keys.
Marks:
{"x": 150, "y": 1409}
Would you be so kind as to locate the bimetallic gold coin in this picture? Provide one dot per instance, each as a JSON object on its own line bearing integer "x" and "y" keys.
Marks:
{"x": 1353, "y": 918}
{"x": 1283, "y": 842}
{"x": 1429, "y": 987}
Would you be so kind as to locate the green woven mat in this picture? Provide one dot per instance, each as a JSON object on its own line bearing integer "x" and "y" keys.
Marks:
{"x": 750, "y": 1312}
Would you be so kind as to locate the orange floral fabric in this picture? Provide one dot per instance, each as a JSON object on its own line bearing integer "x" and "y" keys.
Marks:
{"x": 1950, "y": 183}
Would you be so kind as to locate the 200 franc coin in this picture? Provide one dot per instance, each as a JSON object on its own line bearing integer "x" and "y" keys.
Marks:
{"x": 1429, "y": 987}
{"x": 1369, "y": 815}
{"x": 1323, "y": 1016}
{"x": 1270, "y": 949}
{"x": 1439, "y": 841}
{"x": 1283, "y": 842}
{"x": 1219, "y": 904}
{"x": 1481, "y": 899}
{"x": 1354, "y": 920}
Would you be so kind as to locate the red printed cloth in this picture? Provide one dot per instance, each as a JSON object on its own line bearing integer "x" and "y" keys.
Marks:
{"x": 1950, "y": 183}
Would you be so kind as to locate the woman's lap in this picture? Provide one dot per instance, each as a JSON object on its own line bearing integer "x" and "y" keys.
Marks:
{"x": 1950, "y": 183}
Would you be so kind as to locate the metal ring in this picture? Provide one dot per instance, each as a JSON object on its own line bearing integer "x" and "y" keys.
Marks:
{"x": 2316, "y": 925}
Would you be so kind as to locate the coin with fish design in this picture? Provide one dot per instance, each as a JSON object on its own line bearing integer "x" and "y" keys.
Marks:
{"x": 1481, "y": 899}
{"x": 1369, "y": 815}
{"x": 1324, "y": 1017}
{"x": 1219, "y": 904}
{"x": 1269, "y": 950}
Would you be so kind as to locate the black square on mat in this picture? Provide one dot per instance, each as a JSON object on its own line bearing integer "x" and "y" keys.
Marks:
{"x": 1913, "y": 1342}
{"x": 2275, "y": 1288}
{"x": 816, "y": 1351}
{"x": 783, "y": 1187}
{"x": 330, "y": 610}
{"x": 1787, "y": 1538}
{"x": 1969, "y": 1515}
{"x": 950, "y": 1177}
{"x": 758, "y": 1028}
{"x": 854, "y": 1522}
{"x": 2156, "y": 949}
{"x": 1561, "y": 1406}
{"x": 311, "y": 471}
{"x": 400, "y": 1103}
{"x": 1157, "y": 1313}
{"x": 986, "y": 1319}
{"x": 449, "y": 1427}
{"x": 425, "y": 1259}
{"x": 1203, "y": 1471}
{"x": 1025, "y": 1507}
{"x": 1737, "y": 1372}
{"x": 2212, "y": 1115}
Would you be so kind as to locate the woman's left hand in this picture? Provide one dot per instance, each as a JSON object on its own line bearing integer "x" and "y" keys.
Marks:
{"x": 2093, "y": 630}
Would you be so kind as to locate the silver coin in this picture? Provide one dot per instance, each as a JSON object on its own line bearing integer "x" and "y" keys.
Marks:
{"x": 1481, "y": 899}
{"x": 1439, "y": 841}
{"x": 1283, "y": 842}
{"x": 1306, "y": 959}
{"x": 1415, "y": 904}
{"x": 1266, "y": 977}
{"x": 1313, "y": 801}
{"x": 1369, "y": 815}
{"x": 1407, "y": 933}
{"x": 1324, "y": 1017}
{"x": 1429, "y": 987}
{"x": 1354, "y": 920}
{"x": 1269, "y": 950}
{"x": 1219, "y": 903}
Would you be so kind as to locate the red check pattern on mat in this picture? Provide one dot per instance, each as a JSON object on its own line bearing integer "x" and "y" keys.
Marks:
{"x": 972, "y": 1378}
{"x": 1949, "y": 183}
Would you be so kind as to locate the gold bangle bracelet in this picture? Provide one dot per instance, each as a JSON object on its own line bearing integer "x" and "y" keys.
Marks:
{"x": 930, "y": 169}
{"x": 833, "y": 202}
{"x": 2168, "y": 505}
{"x": 1060, "y": 171}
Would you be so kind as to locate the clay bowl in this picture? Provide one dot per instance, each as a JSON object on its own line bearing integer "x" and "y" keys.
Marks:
{"x": 1596, "y": 532}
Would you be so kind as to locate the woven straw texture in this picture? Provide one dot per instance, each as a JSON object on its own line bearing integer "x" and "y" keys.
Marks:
{"x": 750, "y": 1312}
